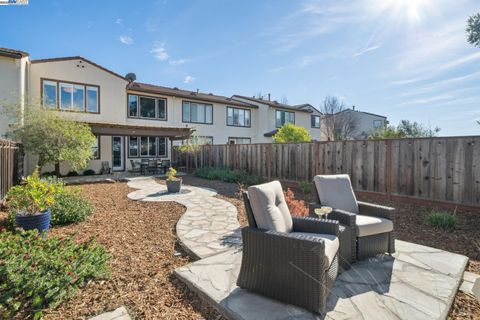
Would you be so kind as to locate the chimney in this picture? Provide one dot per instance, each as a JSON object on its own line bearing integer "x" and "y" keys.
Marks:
{"x": 353, "y": 107}
{"x": 197, "y": 90}
{"x": 269, "y": 97}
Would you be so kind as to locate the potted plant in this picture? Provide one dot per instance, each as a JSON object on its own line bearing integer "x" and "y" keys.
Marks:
{"x": 29, "y": 203}
{"x": 173, "y": 182}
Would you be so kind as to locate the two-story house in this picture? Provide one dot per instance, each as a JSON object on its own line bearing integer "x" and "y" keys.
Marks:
{"x": 134, "y": 120}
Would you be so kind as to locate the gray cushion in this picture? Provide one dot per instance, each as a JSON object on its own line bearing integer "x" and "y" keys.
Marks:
{"x": 368, "y": 225}
{"x": 269, "y": 207}
{"x": 336, "y": 191}
{"x": 331, "y": 244}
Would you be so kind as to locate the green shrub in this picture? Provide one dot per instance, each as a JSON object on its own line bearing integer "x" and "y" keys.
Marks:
{"x": 72, "y": 173}
{"x": 442, "y": 220}
{"x": 306, "y": 187}
{"x": 48, "y": 174}
{"x": 39, "y": 272}
{"x": 89, "y": 172}
{"x": 69, "y": 207}
{"x": 228, "y": 175}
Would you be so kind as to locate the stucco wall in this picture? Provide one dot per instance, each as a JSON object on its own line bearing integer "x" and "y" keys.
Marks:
{"x": 11, "y": 89}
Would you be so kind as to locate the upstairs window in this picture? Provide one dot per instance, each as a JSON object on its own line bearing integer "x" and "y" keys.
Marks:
{"x": 197, "y": 112}
{"x": 146, "y": 107}
{"x": 238, "y": 117}
{"x": 284, "y": 117}
{"x": 68, "y": 96}
{"x": 50, "y": 94}
{"x": 377, "y": 123}
{"x": 315, "y": 122}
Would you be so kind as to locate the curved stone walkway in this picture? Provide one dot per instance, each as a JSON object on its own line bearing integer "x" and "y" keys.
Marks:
{"x": 208, "y": 226}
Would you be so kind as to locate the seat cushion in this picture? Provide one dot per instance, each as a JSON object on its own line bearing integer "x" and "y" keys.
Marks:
{"x": 368, "y": 225}
{"x": 269, "y": 207}
{"x": 336, "y": 191}
{"x": 331, "y": 244}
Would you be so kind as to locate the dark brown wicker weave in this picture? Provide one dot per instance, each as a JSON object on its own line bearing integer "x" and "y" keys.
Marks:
{"x": 361, "y": 247}
{"x": 287, "y": 267}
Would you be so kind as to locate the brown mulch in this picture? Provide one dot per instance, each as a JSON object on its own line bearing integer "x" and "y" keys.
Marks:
{"x": 465, "y": 307}
{"x": 141, "y": 239}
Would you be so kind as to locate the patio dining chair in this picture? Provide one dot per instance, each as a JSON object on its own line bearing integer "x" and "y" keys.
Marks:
{"x": 152, "y": 166}
{"x": 290, "y": 259}
{"x": 135, "y": 167}
{"x": 371, "y": 225}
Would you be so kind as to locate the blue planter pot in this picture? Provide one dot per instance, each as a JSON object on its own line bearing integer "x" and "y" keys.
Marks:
{"x": 41, "y": 221}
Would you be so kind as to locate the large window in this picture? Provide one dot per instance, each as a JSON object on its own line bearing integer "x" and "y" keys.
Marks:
{"x": 315, "y": 121}
{"x": 147, "y": 107}
{"x": 197, "y": 112}
{"x": 284, "y": 117}
{"x": 147, "y": 147}
{"x": 238, "y": 117}
{"x": 68, "y": 96}
{"x": 239, "y": 140}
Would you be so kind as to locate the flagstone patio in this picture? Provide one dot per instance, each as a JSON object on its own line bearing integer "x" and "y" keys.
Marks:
{"x": 418, "y": 282}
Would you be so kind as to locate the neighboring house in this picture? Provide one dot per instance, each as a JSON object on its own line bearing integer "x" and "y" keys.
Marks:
{"x": 134, "y": 120}
{"x": 364, "y": 122}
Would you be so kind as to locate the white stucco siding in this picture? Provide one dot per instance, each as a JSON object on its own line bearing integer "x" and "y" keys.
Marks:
{"x": 112, "y": 88}
{"x": 12, "y": 73}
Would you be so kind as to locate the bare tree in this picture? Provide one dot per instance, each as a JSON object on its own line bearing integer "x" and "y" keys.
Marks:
{"x": 339, "y": 122}
{"x": 284, "y": 99}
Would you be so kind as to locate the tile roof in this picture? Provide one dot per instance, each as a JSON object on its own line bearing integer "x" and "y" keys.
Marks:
{"x": 273, "y": 104}
{"x": 175, "y": 92}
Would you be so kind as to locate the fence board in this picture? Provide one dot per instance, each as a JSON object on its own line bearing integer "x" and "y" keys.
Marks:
{"x": 11, "y": 165}
{"x": 427, "y": 168}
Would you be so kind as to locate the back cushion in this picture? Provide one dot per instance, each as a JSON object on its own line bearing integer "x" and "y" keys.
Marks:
{"x": 336, "y": 191}
{"x": 269, "y": 207}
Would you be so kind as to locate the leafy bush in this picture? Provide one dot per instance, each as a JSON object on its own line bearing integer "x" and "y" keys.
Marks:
{"x": 292, "y": 133}
{"x": 306, "y": 187}
{"x": 228, "y": 175}
{"x": 442, "y": 220}
{"x": 33, "y": 196}
{"x": 38, "y": 272}
{"x": 296, "y": 207}
{"x": 69, "y": 207}
{"x": 89, "y": 172}
{"x": 48, "y": 174}
{"x": 72, "y": 173}
{"x": 172, "y": 174}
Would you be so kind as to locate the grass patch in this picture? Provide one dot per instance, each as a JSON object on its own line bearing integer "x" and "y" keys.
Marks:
{"x": 442, "y": 220}
{"x": 38, "y": 272}
{"x": 228, "y": 175}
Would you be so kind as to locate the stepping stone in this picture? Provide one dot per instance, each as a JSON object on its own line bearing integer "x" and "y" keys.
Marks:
{"x": 117, "y": 314}
{"x": 469, "y": 279}
{"x": 476, "y": 289}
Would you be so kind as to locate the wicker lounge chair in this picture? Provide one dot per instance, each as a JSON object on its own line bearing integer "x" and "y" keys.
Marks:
{"x": 371, "y": 225}
{"x": 290, "y": 259}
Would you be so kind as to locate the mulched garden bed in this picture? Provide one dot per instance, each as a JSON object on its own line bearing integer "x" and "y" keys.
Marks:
{"x": 141, "y": 238}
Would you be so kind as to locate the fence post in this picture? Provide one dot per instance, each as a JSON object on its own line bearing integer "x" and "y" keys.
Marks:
{"x": 269, "y": 162}
{"x": 388, "y": 166}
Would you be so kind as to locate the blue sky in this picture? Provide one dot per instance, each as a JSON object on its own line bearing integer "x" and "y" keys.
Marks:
{"x": 406, "y": 59}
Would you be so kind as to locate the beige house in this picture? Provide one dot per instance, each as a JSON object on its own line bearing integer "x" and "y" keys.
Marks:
{"x": 134, "y": 120}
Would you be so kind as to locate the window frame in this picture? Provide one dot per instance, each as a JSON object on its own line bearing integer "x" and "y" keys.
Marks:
{"x": 73, "y": 84}
{"x": 51, "y": 83}
{"x": 190, "y": 112}
{"x": 313, "y": 116}
{"x": 376, "y": 127}
{"x": 231, "y": 138}
{"x": 139, "y": 108}
{"x": 233, "y": 117}
{"x": 99, "y": 156}
{"x": 139, "y": 147}
{"x": 284, "y": 111}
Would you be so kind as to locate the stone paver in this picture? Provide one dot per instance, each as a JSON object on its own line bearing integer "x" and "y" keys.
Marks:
{"x": 418, "y": 283}
{"x": 117, "y": 314}
{"x": 468, "y": 282}
{"x": 208, "y": 226}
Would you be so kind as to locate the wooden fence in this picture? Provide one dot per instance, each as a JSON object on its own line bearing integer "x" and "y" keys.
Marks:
{"x": 11, "y": 165}
{"x": 442, "y": 169}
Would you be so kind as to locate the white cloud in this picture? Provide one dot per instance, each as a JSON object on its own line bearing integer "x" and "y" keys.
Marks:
{"x": 159, "y": 51}
{"x": 119, "y": 21}
{"x": 126, "y": 40}
{"x": 178, "y": 62}
{"x": 188, "y": 79}
{"x": 356, "y": 54}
